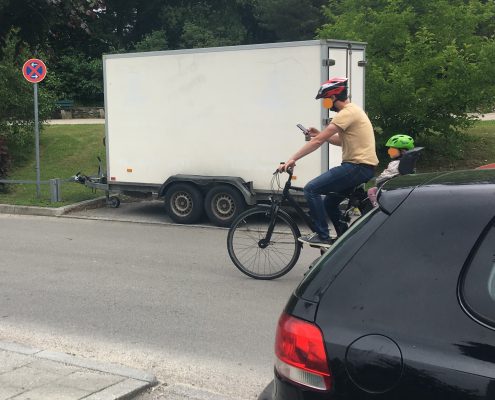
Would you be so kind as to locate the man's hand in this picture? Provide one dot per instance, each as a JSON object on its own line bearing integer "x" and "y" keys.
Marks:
{"x": 313, "y": 132}
{"x": 329, "y": 134}
{"x": 284, "y": 166}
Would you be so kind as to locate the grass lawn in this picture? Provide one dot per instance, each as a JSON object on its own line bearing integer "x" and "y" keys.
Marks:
{"x": 481, "y": 150}
{"x": 64, "y": 151}
{"x": 67, "y": 149}
{"x": 478, "y": 148}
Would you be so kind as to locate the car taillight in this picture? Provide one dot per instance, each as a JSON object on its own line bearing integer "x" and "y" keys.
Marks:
{"x": 300, "y": 352}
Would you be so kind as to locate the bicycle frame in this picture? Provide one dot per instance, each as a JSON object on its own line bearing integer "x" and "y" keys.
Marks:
{"x": 288, "y": 196}
{"x": 275, "y": 206}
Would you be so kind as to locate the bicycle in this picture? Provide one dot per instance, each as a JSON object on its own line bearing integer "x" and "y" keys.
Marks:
{"x": 263, "y": 241}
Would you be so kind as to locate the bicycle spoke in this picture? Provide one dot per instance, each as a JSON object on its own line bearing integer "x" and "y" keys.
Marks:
{"x": 252, "y": 255}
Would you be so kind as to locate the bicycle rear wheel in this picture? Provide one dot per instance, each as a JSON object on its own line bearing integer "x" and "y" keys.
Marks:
{"x": 252, "y": 255}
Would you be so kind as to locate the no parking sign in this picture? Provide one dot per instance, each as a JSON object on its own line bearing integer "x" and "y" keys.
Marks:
{"x": 34, "y": 70}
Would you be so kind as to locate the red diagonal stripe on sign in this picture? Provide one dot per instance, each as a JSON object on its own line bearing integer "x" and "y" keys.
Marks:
{"x": 39, "y": 69}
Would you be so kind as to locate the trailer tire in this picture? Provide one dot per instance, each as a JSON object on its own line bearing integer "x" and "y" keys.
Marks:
{"x": 184, "y": 203}
{"x": 223, "y": 204}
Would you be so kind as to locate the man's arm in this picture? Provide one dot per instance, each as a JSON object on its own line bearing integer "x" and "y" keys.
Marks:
{"x": 329, "y": 134}
{"x": 335, "y": 140}
{"x": 316, "y": 141}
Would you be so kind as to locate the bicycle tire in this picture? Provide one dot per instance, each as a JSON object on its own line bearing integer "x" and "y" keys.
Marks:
{"x": 272, "y": 261}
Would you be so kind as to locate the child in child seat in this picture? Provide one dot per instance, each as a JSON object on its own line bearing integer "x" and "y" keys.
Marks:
{"x": 397, "y": 146}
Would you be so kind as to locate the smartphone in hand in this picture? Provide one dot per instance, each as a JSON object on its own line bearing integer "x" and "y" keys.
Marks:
{"x": 305, "y": 131}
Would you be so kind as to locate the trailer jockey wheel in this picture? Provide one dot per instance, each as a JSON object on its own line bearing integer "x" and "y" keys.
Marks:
{"x": 184, "y": 203}
{"x": 114, "y": 202}
{"x": 223, "y": 204}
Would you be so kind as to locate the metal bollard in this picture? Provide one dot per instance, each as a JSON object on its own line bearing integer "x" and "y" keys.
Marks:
{"x": 55, "y": 190}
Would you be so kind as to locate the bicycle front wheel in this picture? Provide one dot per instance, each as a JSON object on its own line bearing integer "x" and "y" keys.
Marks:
{"x": 256, "y": 257}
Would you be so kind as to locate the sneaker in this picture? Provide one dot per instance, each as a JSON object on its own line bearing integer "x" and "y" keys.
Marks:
{"x": 314, "y": 240}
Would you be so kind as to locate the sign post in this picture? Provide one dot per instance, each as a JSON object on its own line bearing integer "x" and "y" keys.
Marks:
{"x": 34, "y": 71}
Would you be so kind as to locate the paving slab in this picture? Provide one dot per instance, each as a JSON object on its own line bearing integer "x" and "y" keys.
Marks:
{"x": 28, "y": 373}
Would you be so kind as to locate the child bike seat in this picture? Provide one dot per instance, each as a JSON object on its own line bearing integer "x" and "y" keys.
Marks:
{"x": 407, "y": 164}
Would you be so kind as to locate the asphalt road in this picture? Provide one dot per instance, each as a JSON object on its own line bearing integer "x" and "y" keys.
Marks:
{"x": 146, "y": 294}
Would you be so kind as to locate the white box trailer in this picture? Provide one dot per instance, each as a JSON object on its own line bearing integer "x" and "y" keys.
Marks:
{"x": 206, "y": 128}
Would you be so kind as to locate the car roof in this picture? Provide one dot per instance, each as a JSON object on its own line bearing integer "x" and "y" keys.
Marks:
{"x": 396, "y": 190}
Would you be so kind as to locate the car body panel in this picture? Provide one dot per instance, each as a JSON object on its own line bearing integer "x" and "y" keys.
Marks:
{"x": 395, "y": 283}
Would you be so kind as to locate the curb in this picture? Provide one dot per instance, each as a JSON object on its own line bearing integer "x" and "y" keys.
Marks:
{"x": 52, "y": 212}
{"x": 109, "y": 368}
{"x": 136, "y": 382}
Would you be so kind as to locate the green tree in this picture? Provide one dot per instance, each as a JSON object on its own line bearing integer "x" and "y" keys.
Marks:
{"x": 121, "y": 23}
{"x": 179, "y": 24}
{"x": 289, "y": 20}
{"x": 53, "y": 28}
{"x": 77, "y": 77}
{"x": 16, "y": 105}
{"x": 430, "y": 64}
{"x": 196, "y": 23}
{"x": 156, "y": 40}
{"x": 42, "y": 21}
{"x": 72, "y": 35}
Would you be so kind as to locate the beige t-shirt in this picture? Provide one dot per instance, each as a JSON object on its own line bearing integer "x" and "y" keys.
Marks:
{"x": 358, "y": 138}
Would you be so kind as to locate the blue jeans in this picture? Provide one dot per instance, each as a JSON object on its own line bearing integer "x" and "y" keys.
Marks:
{"x": 333, "y": 184}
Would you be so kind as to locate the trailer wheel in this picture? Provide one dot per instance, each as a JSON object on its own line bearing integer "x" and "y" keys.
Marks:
{"x": 184, "y": 203}
{"x": 223, "y": 204}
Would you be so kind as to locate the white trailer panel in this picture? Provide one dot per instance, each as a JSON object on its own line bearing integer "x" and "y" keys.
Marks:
{"x": 226, "y": 111}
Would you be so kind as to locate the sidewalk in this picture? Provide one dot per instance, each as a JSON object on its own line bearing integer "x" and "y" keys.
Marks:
{"x": 487, "y": 117}
{"x": 28, "y": 373}
{"x": 84, "y": 121}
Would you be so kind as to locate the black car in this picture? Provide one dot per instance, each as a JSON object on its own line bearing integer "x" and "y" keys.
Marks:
{"x": 403, "y": 306}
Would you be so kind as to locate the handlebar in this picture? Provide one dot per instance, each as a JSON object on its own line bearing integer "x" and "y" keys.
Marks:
{"x": 290, "y": 171}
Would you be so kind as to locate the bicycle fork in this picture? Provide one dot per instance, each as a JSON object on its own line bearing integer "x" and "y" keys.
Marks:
{"x": 264, "y": 242}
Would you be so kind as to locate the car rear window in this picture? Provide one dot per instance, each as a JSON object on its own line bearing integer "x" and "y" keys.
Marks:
{"x": 478, "y": 281}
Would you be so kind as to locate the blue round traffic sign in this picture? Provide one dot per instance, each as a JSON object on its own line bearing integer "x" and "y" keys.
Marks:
{"x": 34, "y": 70}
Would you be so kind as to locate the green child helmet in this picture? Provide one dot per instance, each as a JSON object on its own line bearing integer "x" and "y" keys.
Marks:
{"x": 401, "y": 142}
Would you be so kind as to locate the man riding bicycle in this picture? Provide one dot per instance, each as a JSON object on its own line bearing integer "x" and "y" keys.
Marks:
{"x": 351, "y": 129}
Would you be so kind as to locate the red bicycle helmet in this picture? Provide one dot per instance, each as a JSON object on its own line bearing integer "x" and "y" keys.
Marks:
{"x": 333, "y": 87}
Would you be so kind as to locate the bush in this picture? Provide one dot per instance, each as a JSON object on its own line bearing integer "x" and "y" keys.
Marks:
{"x": 4, "y": 159}
{"x": 430, "y": 64}
{"x": 16, "y": 102}
{"x": 78, "y": 78}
